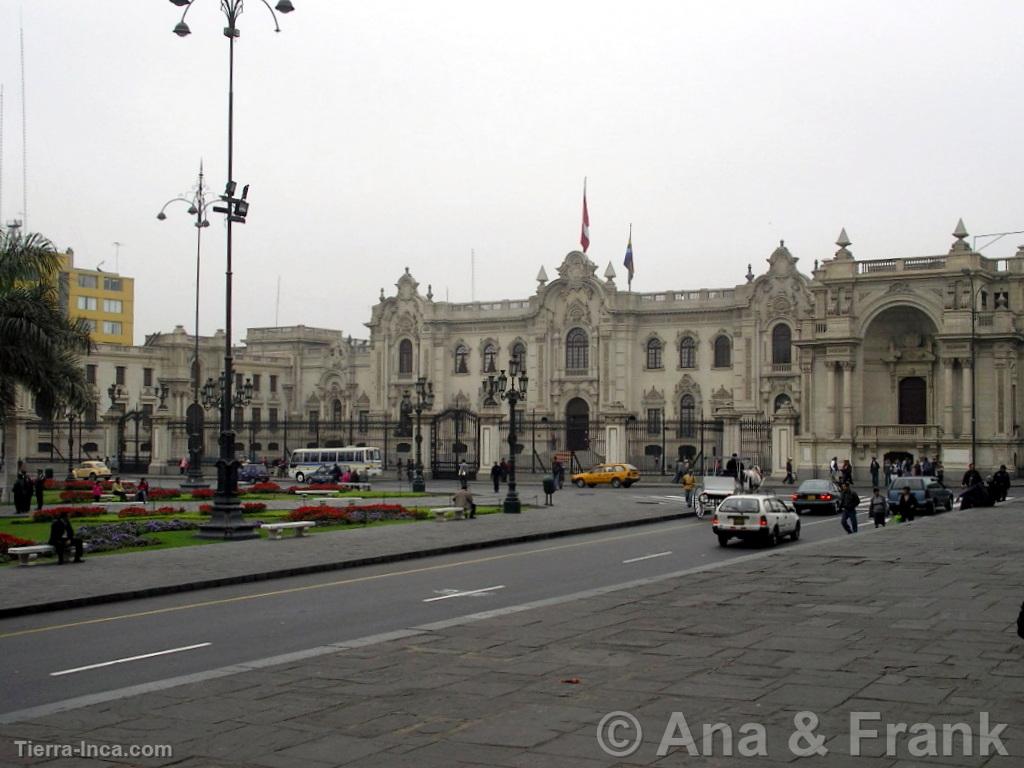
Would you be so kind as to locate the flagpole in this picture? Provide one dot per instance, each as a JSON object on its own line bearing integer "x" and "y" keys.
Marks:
{"x": 629, "y": 279}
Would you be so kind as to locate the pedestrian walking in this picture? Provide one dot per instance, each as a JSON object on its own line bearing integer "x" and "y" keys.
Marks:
{"x": 875, "y": 467}
{"x": 906, "y": 505}
{"x": 689, "y": 483}
{"x": 789, "y": 479}
{"x": 680, "y": 469}
{"x": 848, "y": 502}
{"x": 496, "y": 476}
{"x": 41, "y": 485}
{"x": 559, "y": 474}
{"x": 888, "y": 473}
{"x": 1001, "y": 483}
{"x": 463, "y": 473}
{"x": 877, "y": 508}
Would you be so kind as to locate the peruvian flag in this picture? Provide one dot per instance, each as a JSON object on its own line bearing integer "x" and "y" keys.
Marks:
{"x": 585, "y": 229}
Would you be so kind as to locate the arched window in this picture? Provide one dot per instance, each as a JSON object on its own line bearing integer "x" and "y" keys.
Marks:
{"x": 654, "y": 353}
{"x": 405, "y": 356}
{"x": 336, "y": 410}
{"x": 490, "y": 355}
{"x": 687, "y": 416}
{"x": 576, "y": 349}
{"x": 462, "y": 359}
{"x": 782, "y": 401}
{"x": 519, "y": 354}
{"x": 687, "y": 353}
{"x": 782, "y": 345}
{"x": 723, "y": 352}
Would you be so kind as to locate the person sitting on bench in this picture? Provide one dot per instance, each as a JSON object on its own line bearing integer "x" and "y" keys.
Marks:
{"x": 464, "y": 498}
{"x": 118, "y": 490}
{"x": 62, "y": 535}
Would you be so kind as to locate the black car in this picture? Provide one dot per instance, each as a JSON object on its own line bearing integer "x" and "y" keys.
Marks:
{"x": 253, "y": 473}
{"x": 931, "y": 495}
{"x": 320, "y": 476}
{"x": 816, "y": 496}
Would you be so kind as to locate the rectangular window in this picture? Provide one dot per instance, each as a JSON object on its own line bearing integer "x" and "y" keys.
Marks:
{"x": 256, "y": 417}
{"x": 147, "y": 412}
{"x": 364, "y": 422}
{"x": 314, "y": 420}
{"x": 119, "y": 375}
{"x": 91, "y": 414}
{"x": 273, "y": 382}
{"x": 87, "y": 303}
{"x": 113, "y": 306}
{"x": 90, "y": 324}
{"x": 90, "y": 374}
{"x": 238, "y": 382}
{"x": 112, "y": 283}
{"x": 87, "y": 281}
{"x": 272, "y": 416}
{"x": 654, "y": 421}
{"x": 239, "y": 417}
{"x": 147, "y": 377}
{"x": 256, "y": 382}
{"x": 111, "y": 327}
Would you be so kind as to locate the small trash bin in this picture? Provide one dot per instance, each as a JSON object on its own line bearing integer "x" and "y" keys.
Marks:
{"x": 549, "y": 485}
{"x": 49, "y": 473}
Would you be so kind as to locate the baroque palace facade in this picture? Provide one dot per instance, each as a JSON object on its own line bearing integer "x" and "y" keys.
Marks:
{"x": 859, "y": 359}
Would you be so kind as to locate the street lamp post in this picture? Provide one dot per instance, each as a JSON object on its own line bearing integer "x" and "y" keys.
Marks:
{"x": 71, "y": 444}
{"x": 226, "y": 520}
{"x": 513, "y": 389}
{"x": 424, "y": 401}
{"x": 974, "y": 409}
{"x": 197, "y": 206}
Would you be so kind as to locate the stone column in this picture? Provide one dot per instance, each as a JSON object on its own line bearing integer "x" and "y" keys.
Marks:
{"x": 847, "y": 367}
{"x": 947, "y": 395}
{"x": 807, "y": 398}
{"x": 830, "y": 397}
{"x": 965, "y": 400}
{"x": 110, "y": 419}
{"x": 159, "y": 440}
{"x": 783, "y": 443}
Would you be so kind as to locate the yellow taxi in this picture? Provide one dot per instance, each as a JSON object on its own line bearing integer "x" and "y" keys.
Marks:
{"x": 615, "y": 475}
{"x": 90, "y": 470}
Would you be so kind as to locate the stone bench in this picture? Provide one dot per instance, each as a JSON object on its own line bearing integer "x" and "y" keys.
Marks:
{"x": 441, "y": 513}
{"x": 355, "y": 486}
{"x": 276, "y": 529}
{"x": 318, "y": 492}
{"x": 25, "y": 554}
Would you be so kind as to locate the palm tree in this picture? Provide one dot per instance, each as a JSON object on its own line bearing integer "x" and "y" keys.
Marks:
{"x": 40, "y": 347}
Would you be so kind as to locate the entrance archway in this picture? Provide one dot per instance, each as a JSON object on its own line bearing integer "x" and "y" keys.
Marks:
{"x": 577, "y": 425}
{"x": 913, "y": 402}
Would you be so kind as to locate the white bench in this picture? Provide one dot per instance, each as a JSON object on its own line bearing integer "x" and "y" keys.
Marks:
{"x": 315, "y": 493}
{"x": 441, "y": 513}
{"x": 25, "y": 553}
{"x": 277, "y": 528}
{"x": 355, "y": 486}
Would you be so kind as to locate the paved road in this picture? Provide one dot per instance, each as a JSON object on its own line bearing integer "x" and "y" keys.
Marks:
{"x": 220, "y": 627}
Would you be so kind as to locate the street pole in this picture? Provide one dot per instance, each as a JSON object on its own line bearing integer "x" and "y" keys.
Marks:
{"x": 974, "y": 400}
{"x": 513, "y": 389}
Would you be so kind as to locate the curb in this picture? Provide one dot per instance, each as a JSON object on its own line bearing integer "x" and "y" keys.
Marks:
{"x": 304, "y": 570}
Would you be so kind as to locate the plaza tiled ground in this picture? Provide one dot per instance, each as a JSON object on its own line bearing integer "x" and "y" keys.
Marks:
{"x": 915, "y": 622}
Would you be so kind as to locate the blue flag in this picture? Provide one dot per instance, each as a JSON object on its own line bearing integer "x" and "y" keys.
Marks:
{"x": 628, "y": 262}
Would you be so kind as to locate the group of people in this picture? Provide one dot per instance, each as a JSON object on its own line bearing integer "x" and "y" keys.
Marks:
{"x": 347, "y": 475}
{"x": 26, "y": 488}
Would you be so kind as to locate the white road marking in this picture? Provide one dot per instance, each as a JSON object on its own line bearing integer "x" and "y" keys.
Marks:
{"x": 463, "y": 594}
{"x": 646, "y": 557}
{"x": 130, "y": 658}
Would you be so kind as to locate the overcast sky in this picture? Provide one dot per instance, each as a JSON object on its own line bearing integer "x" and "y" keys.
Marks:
{"x": 382, "y": 135}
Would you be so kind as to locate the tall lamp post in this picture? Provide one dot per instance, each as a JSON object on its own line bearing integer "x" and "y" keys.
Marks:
{"x": 197, "y": 206}
{"x": 974, "y": 399}
{"x": 513, "y": 389}
{"x": 71, "y": 444}
{"x": 424, "y": 401}
{"x": 226, "y": 520}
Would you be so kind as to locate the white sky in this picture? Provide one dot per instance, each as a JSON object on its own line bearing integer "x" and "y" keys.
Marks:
{"x": 389, "y": 134}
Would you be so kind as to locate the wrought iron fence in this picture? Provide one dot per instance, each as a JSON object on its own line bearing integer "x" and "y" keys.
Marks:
{"x": 656, "y": 446}
{"x": 756, "y": 442}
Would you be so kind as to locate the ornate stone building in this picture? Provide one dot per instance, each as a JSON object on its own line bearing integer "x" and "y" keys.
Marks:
{"x": 857, "y": 359}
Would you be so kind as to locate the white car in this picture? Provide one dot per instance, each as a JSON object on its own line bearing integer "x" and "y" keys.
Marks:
{"x": 761, "y": 518}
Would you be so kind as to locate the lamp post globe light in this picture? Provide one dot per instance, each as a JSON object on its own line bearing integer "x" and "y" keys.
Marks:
{"x": 197, "y": 204}
{"x": 227, "y": 521}
{"x": 513, "y": 389}
{"x": 424, "y": 401}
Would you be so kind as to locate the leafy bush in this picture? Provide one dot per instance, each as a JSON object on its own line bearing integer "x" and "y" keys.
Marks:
{"x": 72, "y": 497}
{"x": 162, "y": 494}
{"x": 203, "y": 493}
{"x": 323, "y": 514}
{"x": 253, "y": 506}
{"x": 264, "y": 488}
{"x": 205, "y": 509}
{"x": 48, "y": 515}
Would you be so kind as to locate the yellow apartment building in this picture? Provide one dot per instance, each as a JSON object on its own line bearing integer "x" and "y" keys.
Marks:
{"x": 106, "y": 300}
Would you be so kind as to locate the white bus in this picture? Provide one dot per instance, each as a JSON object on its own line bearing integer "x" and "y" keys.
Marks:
{"x": 364, "y": 459}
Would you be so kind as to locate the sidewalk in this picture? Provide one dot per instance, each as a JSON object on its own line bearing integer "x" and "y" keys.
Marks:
{"x": 145, "y": 574}
{"x": 911, "y": 622}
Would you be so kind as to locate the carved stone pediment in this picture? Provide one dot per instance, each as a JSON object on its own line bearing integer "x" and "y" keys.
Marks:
{"x": 576, "y": 268}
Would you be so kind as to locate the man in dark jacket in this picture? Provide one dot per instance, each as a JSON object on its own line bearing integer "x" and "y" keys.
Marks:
{"x": 1001, "y": 483}
{"x": 971, "y": 477}
{"x": 906, "y": 506}
{"x": 62, "y": 535}
{"x": 496, "y": 476}
{"x": 848, "y": 502}
{"x": 41, "y": 483}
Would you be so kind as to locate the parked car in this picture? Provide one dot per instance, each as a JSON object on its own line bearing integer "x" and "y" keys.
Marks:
{"x": 90, "y": 470}
{"x": 615, "y": 475}
{"x": 754, "y": 517}
{"x": 712, "y": 490}
{"x": 929, "y": 492}
{"x": 816, "y": 496}
{"x": 253, "y": 473}
{"x": 321, "y": 474}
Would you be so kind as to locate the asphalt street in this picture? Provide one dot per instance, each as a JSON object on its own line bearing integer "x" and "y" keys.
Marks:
{"x": 53, "y": 657}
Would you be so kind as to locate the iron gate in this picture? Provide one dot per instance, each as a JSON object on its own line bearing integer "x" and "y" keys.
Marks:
{"x": 655, "y": 446}
{"x": 454, "y": 438}
{"x": 756, "y": 442}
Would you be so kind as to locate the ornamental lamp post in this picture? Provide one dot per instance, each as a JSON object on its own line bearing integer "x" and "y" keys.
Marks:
{"x": 227, "y": 521}
{"x": 424, "y": 401}
{"x": 513, "y": 389}
{"x": 198, "y": 204}
{"x": 71, "y": 443}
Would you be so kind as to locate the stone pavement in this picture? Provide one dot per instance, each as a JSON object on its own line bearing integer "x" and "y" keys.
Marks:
{"x": 47, "y": 586}
{"x": 912, "y": 622}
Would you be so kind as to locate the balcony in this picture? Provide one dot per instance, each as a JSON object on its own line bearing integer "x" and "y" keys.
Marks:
{"x": 898, "y": 434}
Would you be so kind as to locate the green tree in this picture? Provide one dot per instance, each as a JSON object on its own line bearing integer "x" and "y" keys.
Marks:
{"x": 40, "y": 347}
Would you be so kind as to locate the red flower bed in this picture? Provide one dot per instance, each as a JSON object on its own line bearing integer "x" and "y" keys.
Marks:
{"x": 315, "y": 487}
{"x": 264, "y": 488}
{"x": 156, "y": 494}
{"x": 206, "y": 509}
{"x": 53, "y": 485}
{"x": 75, "y": 496}
{"x": 47, "y": 515}
{"x": 203, "y": 493}
{"x": 253, "y": 506}
{"x": 7, "y": 541}
{"x": 323, "y": 513}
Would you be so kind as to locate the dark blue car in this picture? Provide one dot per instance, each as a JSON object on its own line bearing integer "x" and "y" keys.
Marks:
{"x": 931, "y": 495}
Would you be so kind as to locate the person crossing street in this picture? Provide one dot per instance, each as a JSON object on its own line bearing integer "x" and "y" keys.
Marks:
{"x": 848, "y": 502}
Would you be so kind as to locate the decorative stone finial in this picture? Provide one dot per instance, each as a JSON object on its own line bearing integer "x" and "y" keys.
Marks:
{"x": 961, "y": 235}
{"x": 382, "y": 294}
{"x": 750, "y": 273}
{"x": 430, "y": 292}
{"x": 542, "y": 277}
{"x": 609, "y": 273}
{"x": 843, "y": 241}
